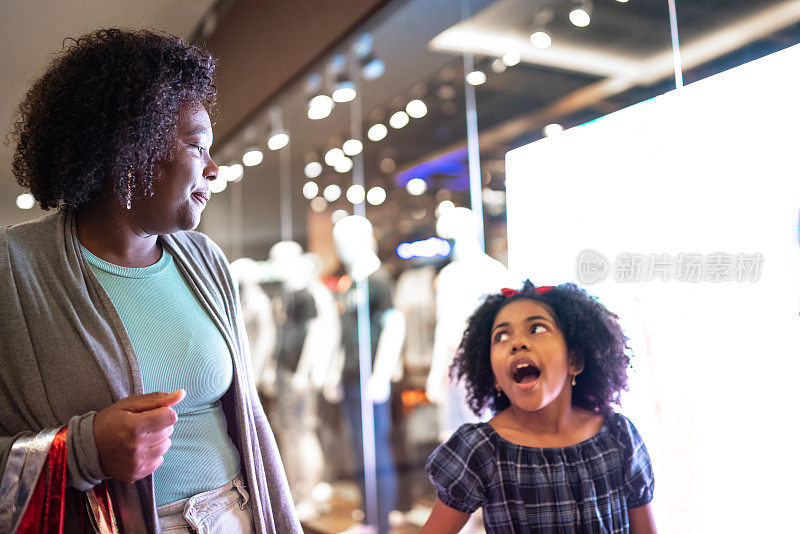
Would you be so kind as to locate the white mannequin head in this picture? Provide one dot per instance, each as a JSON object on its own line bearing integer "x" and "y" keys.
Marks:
{"x": 355, "y": 243}
{"x": 292, "y": 266}
{"x": 246, "y": 271}
{"x": 462, "y": 226}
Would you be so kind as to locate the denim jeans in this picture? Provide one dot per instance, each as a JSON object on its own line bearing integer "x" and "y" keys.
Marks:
{"x": 223, "y": 510}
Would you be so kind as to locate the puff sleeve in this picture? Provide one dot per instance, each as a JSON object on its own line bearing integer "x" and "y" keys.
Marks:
{"x": 460, "y": 468}
{"x": 638, "y": 471}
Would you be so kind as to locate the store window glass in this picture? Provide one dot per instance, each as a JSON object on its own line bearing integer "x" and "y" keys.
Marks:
{"x": 366, "y": 209}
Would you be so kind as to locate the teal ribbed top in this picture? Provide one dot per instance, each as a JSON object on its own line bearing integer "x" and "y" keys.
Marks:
{"x": 178, "y": 347}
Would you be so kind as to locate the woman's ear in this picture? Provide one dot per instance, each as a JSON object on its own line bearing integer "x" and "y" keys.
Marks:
{"x": 576, "y": 363}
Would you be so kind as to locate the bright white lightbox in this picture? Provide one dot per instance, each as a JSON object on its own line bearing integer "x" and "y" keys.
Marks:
{"x": 710, "y": 171}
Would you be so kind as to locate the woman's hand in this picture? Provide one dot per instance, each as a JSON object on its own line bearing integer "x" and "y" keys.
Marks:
{"x": 132, "y": 434}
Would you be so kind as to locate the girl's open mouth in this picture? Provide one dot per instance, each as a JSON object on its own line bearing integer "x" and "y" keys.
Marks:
{"x": 525, "y": 372}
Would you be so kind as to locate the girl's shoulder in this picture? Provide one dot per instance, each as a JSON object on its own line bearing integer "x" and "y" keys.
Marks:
{"x": 473, "y": 444}
{"x": 623, "y": 432}
{"x": 472, "y": 437}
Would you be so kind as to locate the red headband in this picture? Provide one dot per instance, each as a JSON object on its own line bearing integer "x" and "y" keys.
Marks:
{"x": 511, "y": 292}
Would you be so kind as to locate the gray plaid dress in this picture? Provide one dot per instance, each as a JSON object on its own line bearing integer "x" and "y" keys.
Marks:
{"x": 587, "y": 487}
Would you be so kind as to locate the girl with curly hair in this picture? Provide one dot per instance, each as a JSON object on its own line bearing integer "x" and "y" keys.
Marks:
{"x": 113, "y": 300}
{"x": 548, "y": 362}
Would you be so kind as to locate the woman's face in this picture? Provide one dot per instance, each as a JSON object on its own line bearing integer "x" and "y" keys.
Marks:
{"x": 529, "y": 356}
{"x": 181, "y": 192}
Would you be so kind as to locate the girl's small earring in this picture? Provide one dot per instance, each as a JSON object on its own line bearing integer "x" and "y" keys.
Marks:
{"x": 574, "y": 381}
{"x": 130, "y": 177}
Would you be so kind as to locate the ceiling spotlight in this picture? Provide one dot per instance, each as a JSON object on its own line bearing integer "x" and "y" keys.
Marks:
{"x": 320, "y": 107}
{"x": 446, "y": 92}
{"x": 344, "y": 90}
{"x": 223, "y": 171}
{"x": 387, "y": 165}
{"x": 553, "y": 129}
{"x": 310, "y": 190}
{"x": 416, "y": 109}
{"x": 579, "y": 18}
{"x": 541, "y": 39}
{"x": 416, "y": 186}
{"x": 252, "y": 157}
{"x": 332, "y": 193}
{"x": 376, "y": 196}
{"x": 351, "y": 147}
{"x": 622, "y": 1}
{"x": 362, "y": 46}
{"x": 232, "y": 173}
{"x": 236, "y": 172}
{"x": 355, "y": 194}
{"x": 218, "y": 185}
{"x": 580, "y": 15}
{"x": 398, "y": 120}
{"x": 372, "y": 67}
{"x": 498, "y": 66}
{"x": 318, "y": 205}
{"x": 511, "y": 58}
{"x": 278, "y": 136}
{"x": 377, "y": 132}
{"x": 333, "y": 155}
{"x": 343, "y": 165}
{"x": 312, "y": 169}
{"x": 25, "y": 201}
{"x": 277, "y": 140}
{"x": 476, "y": 77}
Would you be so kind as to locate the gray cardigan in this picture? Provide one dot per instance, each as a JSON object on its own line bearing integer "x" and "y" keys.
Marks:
{"x": 64, "y": 355}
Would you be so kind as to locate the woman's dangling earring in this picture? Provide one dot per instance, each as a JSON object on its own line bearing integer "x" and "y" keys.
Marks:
{"x": 130, "y": 177}
{"x": 574, "y": 381}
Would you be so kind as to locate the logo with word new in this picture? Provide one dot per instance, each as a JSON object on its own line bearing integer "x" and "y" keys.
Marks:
{"x": 592, "y": 267}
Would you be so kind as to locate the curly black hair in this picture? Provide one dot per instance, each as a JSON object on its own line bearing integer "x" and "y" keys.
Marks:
{"x": 591, "y": 332}
{"x": 107, "y": 105}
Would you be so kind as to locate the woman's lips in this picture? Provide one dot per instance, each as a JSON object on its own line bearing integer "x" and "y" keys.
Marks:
{"x": 201, "y": 196}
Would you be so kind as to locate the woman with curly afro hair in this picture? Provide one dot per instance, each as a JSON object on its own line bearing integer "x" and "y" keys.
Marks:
{"x": 125, "y": 387}
{"x": 548, "y": 362}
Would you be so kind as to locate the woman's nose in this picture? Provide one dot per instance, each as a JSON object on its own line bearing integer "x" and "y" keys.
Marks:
{"x": 211, "y": 171}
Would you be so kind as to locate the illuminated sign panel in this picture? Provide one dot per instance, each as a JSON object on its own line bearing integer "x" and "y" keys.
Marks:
{"x": 681, "y": 214}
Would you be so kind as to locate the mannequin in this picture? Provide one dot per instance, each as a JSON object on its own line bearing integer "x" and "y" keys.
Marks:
{"x": 259, "y": 323}
{"x": 460, "y": 287}
{"x": 309, "y": 333}
{"x": 414, "y": 296}
{"x": 355, "y": 244}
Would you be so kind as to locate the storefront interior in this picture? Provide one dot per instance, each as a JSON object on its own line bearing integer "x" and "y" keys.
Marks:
{"x": 482, "y": 142}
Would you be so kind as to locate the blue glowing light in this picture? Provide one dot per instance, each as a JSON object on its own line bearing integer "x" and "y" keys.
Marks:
{"x": 425, "y": 248}
{"x": 451, "y": 164}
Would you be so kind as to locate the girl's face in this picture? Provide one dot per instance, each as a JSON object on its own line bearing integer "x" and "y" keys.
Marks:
{"x": 529, "y": 356}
